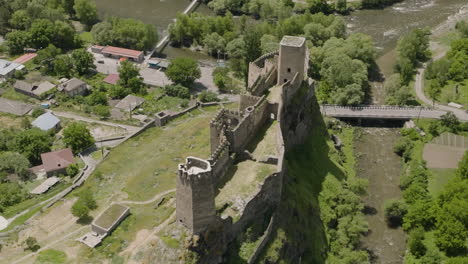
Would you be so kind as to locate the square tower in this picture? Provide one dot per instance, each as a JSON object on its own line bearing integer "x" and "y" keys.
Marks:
{"x": 195, "y": 198}
{"x": 293, "y": 58}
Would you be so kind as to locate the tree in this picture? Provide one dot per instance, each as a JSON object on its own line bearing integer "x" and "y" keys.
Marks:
{"x": 252, "y": 48}
{"x": 215, "y": 44}
{"x": 183, "y": 71}
{"x": 17, "y": 41}
{"x": 102, "y": 111}
{"x": 395, "y": 210}
{"x": 125, "y": 32}
{"x": 77, "y": 136}
{"x": 13, "y": 162}
{"x": 463, "y": 167}
{"x": 65, "y": 36}
{"x": 83, "y": 61}
{"x": 11, "y": 194}
{"x": 63, "y": 66}
{"x": 341, "y": 6}
{"x": 451, "y": 235}
{"x": 450, "y": 121}
{"x": 86, "y": 12}
{"x": 20, "y": 20}
{"x": 43, "y": 33}
{"x": 31, "y": 244}
{"x": 73, "y": 169}
{"x": 177, "y": 91}
{"x": 32, "y": 143}
{"x": 415, "y": 243}
{"x": 68, "y": 6}
{"x": 434, "y": 91}
{"x": 97, "y": 98}
{"x": 80, "y": 210}
{"x": 208, "y": 96}
{"x": 88, "y": 199}
{"x": 130, "y": 78}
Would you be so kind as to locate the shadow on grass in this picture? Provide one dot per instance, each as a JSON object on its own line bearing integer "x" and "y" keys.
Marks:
{"x": 85, "y": 220}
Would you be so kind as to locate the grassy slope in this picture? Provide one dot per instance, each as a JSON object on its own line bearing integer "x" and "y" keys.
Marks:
{"x": 300, "y": 226}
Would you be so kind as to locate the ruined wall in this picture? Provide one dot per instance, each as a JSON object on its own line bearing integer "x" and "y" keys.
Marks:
{"x": 254, "y": 117}
{"x": 220, "y": 162}
{"x": 195, "y": 195}
{"x": 260, "y": 67}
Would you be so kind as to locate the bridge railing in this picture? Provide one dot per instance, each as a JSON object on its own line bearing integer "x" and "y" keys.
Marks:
{"x": 377, "y": 107}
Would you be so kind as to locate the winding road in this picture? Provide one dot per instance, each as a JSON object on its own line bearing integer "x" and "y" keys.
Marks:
{"x": 419, "y": 88}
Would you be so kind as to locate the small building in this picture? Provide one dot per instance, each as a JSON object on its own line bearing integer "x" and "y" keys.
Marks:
{"x": 159, "y": 64}
{"x": 25, "y": 58}
{"x": 112, "y": 78}
{"x": 104, "y": 224}
{"x": 46, "y": 122}
{"x": 117, "y": 53}
{"x": 14, "y": 107}
{"x": 33, "y": 90}
{"x": 73, "y": 87}
{"x": 97, "y": 49}
{"x": 55, "y": 162}
{"x": 46, "y": 185}
{"x": 129, "y": 103}
{"x": 7, "y": 68}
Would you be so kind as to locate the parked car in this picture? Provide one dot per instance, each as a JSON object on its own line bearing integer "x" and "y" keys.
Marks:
{"x": 100, "y": 61}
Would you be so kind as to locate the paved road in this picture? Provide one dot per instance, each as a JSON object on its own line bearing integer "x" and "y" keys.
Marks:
{"x": 74, "y": 116}
{"x": 419, "y": 87}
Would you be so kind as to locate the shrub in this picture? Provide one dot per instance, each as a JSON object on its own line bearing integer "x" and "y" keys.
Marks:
{"x": 31, "y": 244}
{"x": 37, "y": 111}
{"x": 102, "y": 111}
{"x": 72, "y": 170}
{"x": 415, "y": 242}
{"x": 208, "y": 96}
{"x": 395, "y": 210}
{"x": 403, "y": 147}
{"x": 177, "y": 91}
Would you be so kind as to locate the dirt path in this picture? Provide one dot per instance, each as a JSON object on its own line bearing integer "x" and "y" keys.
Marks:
{"x": 146, "y": 237}
{"x": 50, "y": 244}
{"x": 381, "y": 167}
{"x": 156, "y": 197}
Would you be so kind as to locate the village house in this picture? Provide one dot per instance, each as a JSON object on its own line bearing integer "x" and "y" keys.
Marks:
{"x": 46, "y": 122}
{"x": 33, "y": 90}
{"x": 73, "y": 87}
{"x": 119, "y": 53}
{"x": 8, "y": 68}
{"x": 55, "y": 162}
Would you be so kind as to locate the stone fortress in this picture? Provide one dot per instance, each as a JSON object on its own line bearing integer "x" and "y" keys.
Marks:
{"x": 243, "y": 177}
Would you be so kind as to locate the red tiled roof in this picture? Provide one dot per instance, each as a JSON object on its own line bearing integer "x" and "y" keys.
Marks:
{"x": 122, "y": 52}
{"x": 57, "y": 159}
{"x": 112, "y": 78}
{"x": 25, "y": 58}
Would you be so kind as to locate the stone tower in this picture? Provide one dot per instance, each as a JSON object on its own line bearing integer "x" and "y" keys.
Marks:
{"x": 195, "y": 207}
{"x": 293, "y": 58}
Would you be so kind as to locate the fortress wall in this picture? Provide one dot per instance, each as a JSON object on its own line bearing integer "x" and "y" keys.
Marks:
{"x": 263, "y": 201}
{"x": 255, "y": 73}
{"x": 221, "y": 162}
{"x": 247, "y": 100}
{"x": 249, "y": 125}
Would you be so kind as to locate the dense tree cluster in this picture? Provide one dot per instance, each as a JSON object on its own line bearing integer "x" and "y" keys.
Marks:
{"x": 341, "y": 212}
{"x": 453, "y": 67}
{"x": 412, "y": 49}
{"x": 125, "y": 32}
{"x": 396, "y": 92}
{"x": 378, "y": 3}
{"x": 444, "y": 213}
{"x": 38, "y": 23}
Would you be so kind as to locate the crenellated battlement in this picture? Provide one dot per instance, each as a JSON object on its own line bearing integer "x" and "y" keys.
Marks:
{"x": 221, "y": 149}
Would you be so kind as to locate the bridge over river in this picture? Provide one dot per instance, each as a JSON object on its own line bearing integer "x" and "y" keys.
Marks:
{"x": 385, "y": 112}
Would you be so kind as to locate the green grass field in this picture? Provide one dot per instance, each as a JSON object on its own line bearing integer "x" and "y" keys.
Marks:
{"x": 438, "y": 179}
{"x": 146, "y": 165}
{"x": 448, "y": 93}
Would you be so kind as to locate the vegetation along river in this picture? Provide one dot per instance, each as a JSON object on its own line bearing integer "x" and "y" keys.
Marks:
{"x": 374, "y": 148}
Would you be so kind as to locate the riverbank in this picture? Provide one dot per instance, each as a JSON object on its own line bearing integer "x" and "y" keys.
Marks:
{"x": 382, "y": 168}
